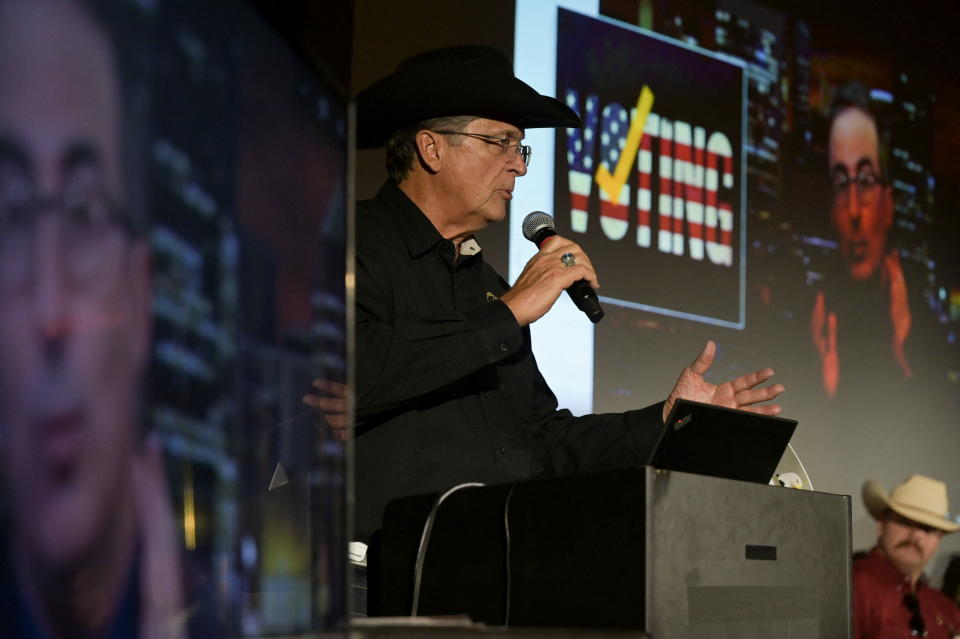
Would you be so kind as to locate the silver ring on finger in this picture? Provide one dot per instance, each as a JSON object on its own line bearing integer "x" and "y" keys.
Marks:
{"x": 568, "y": 259}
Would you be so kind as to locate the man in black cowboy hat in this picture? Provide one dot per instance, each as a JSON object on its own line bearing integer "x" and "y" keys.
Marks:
{"x": 447, "y": 388}
{"x": 890, "y": 595}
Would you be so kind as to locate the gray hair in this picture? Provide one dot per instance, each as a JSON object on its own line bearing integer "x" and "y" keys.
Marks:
{"x": 402, "y": 145}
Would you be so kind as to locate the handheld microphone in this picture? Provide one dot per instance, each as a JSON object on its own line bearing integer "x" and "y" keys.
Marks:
{"x": 537, "y": 227}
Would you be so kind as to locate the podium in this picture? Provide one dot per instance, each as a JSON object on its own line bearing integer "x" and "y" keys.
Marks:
{"x": 667, "y": 553}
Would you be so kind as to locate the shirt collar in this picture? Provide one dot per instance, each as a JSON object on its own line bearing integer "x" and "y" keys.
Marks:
{"x": 418, "y": 233}
{"x": 469, "y": 247}
{"x": 879, "y": 564}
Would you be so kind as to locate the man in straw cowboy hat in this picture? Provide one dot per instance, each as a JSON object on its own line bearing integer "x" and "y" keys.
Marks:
{"x": 447, "y": 389}
{"x": 890, "y": 595}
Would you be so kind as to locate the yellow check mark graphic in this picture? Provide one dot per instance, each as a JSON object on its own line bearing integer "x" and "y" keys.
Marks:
{"x": 612, "y": 184}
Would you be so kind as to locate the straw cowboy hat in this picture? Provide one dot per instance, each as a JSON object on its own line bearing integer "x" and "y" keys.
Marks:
{"x": 462, "y": 80}
{"x": 919, "y": 498}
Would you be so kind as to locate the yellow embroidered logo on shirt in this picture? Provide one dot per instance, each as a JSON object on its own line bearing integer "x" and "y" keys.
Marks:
{"x": 491, "y": 297}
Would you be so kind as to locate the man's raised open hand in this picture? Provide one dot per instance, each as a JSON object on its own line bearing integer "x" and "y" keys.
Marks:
{"x": 744, "y": 392}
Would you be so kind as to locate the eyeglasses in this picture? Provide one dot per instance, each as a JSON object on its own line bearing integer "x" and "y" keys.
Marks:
{"x": 88, "y": 216}
{"x": 511, "y": 146}
{"x": 865, "y": 180}
{"x": 917, "y": 627}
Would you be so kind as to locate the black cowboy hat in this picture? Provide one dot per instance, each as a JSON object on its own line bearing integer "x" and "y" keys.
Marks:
{"x": 461, "y": 80}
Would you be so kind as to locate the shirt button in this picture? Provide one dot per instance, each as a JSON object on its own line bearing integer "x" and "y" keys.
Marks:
{"x": 503, "y": 347}
{"x": 503, "y": 451}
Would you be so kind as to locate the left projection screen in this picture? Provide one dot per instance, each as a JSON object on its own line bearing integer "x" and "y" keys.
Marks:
{"x": 173, "y": 183}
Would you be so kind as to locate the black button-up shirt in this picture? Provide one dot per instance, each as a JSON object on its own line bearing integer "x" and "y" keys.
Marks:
{"x": 447, "y": 387}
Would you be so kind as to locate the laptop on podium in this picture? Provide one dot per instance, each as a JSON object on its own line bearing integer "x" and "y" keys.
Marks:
{"x": 721, "y": 442}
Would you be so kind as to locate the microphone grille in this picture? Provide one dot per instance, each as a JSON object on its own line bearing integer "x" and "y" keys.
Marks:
{"x": 534, "y": 222}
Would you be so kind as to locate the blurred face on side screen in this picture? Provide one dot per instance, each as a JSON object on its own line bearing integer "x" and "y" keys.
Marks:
{"x": 862, "y": 206}
{"x": 74, "y": 299}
